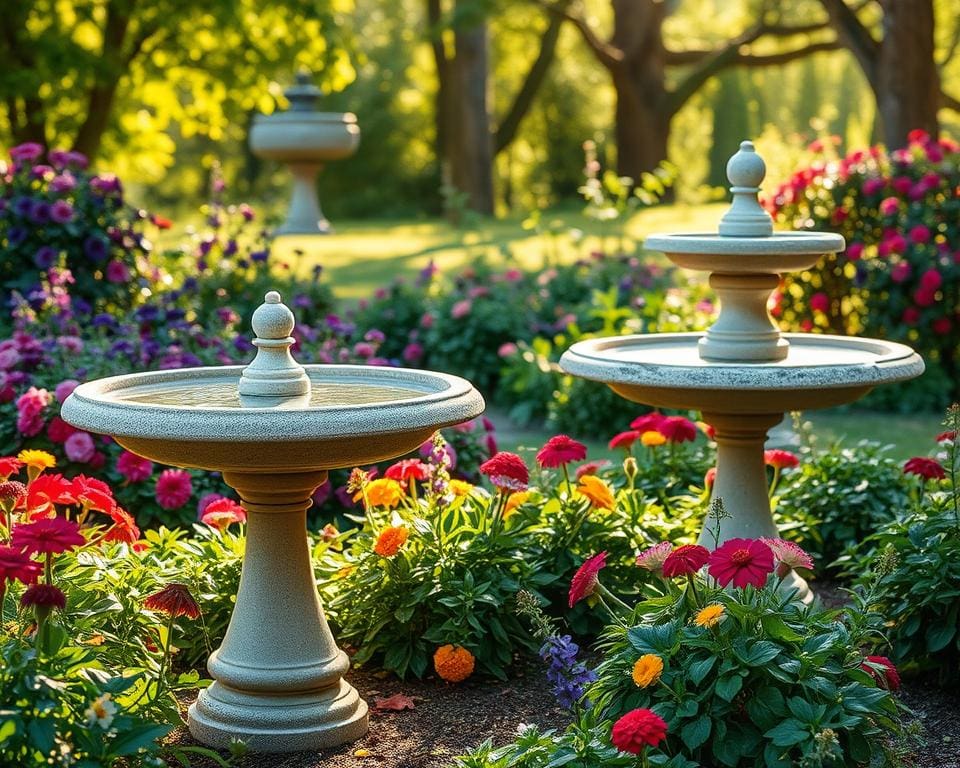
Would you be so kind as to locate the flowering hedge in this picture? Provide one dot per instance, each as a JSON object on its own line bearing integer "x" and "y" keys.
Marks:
{"x": 899, "y": 277}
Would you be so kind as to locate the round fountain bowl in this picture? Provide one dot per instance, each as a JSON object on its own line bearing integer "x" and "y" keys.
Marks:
{"x": 294, "y": 136}
{"x": 195, "y": 417}
{"x": 666, "y": 371}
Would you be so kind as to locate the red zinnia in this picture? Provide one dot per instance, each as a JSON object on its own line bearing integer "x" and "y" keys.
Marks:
{"x": 637, "y": 730}
{"x": 9, "y": 465}
{"x": 50, "y": 535}
{"x": 779, "y": 459}
{"x": 624, "y": 440}
{"x": 174, "y": 488}
{"x": 649, "y": 422}
{"x": 44, "y": 596}
{"x": 174, "y": 600}
{"x": 887, "y": 676}
{"x": 402, "y": 471}
{"x": 506, "y": 471}
{"x": 685, "y": 560}
{"x": 93, "y": 494}
{"x": 741, "y": 561}
{"x": 16, "y": 565}
{"x": 48, "y": 491}
{"x": 560, "y": 450}
{"x": 928, "y": 469}
{"x": 677, "y": 429}
{"x": 585, "y": 580}
{"x": 591, "y": 467}
{"x": 221, "y": 513}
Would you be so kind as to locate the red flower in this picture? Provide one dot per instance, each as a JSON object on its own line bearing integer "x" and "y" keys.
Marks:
{"x": 16, "y": 565}
{"x": 591, "y": 467}
{"x": 93, "y": 494}
{"x": 44, "y": 596}
{"x": 161, "y": 222}
{"x": 47, "y": 491}
{"x": 221, "y": 513}
{"x": 174, "y": 600}
{"x": 506, "y": 471}
{"x": 586, "y": 579}
{"x": 685, "y": 560}
{"x": 9, "y": 465}
{"x": 710, "y": 478}
{"x": 560, "y": 450}
{"x": 943, "y": 437}
{"x": 123, "y": 529}
{"x": 174, "y": 488}
{"x": 649, "y": 422}
{"x": 12, "y": 494}
{"x": 677, "y": 429}
{"x": 928, "y": 469}
{"x": 741, "y": 561}
{"x": 886, "y": 676}
{"x": 637, "y": 730}
{"x": 624, "y": 440}
{"x": 402, "y": 471}
{"x": 48, "y": 535}
{"x": 820, "y": 302}
{"x": 779, "y": 459}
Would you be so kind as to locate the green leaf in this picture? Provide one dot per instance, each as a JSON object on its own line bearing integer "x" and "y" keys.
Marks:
{"x": 700, "y": 669}
{"x": 939, "y": 637}
{"x": 728, "y": 687}
{"x": 777, "y": 629}
{"x": 787, "y": 733}
{"x": 696, "y": 733}
{"x": 133, "y": 740}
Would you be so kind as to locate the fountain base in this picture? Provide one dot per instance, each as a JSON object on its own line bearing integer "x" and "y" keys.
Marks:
{"x": 268, "y": 722}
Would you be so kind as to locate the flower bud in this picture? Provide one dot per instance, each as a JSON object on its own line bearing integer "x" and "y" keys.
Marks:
{"x": 630, "y": 468}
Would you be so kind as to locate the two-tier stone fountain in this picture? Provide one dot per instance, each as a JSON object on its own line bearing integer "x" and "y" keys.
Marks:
{"x": 274, "y": 428}
{"x": 742, "y": 373}
{"x": 304, "y": 138}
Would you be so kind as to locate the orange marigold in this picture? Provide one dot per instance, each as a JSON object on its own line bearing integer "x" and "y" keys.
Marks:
{"x": 453, "y": 663}
{"x": 598, "y": 492}
{"x": 390, "y": 540}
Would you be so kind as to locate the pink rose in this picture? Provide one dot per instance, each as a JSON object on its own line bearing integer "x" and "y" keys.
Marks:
{"x": 79, "y": 447}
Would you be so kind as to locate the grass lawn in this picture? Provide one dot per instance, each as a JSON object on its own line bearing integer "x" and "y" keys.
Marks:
{"x": 363, "y": 255}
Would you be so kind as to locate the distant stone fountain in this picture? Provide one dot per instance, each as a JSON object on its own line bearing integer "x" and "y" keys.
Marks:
{"x": 274, "y": 428}
{"x": 304, "y": 139}
{"x": 743, "y": 373}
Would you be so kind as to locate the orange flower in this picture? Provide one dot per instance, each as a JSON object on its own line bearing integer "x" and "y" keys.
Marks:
{"x": 382, "y": 492}
{"x": 597, "y": 491}
{"x": 647, "y": 670}
{"x": 453, "y": 663}
{"x": 652, "y": 439}
{"x": 460, "y": 487}
{"x": 515, "y": 499}
{"x": 390, "y": 540}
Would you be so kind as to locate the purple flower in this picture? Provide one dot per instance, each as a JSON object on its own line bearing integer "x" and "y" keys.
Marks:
{"x": 117, "y": 272}
{"x": 45, "y": 257}
{"x": 259, "y": 257}
{"x": 40, "y": 212}
{"x": 79, "y": 447}
{"x": 29, "y": 151}
{"x": 568, "y": 676}
{"x": 65, "y": 389}
{"x": 61, "y": 212}
{"x": 65, "y": 182}
{"x": 375, "y": 336}
{"x": 22, "y": 207}
{"x": 95, "y": 249}
{"x": 16, "y": 235}
{"x": 246, "y": 211}
{"x": 230, "y": 248}
{"x": 77, "y": 159}
{"x": 105, "y": 184}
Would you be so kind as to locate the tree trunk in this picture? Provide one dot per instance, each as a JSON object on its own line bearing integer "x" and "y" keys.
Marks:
{"x": 907, "y": 85}
{"x": 641, "y": 128}
{"x": 469, "y": 144}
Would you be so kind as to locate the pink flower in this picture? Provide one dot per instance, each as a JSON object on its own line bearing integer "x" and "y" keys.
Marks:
{"x": 134, "y": 468}
{"x": 461, "y": 309}
{"x": 61, "y": 212}
{"x": 507, "y": 349}
{"x": 506, "y": 471}
{"x": 872, "y": 186}
{"x": 652, "y": 559}
{"x": 560, "y": 450}
{"x": 900, "y": 271}
{"x": 637, "y": 730}
{"x": 741, "y": 561}
{"x": 79, "y": 447}
{"x": 649, "y": 422}
{"x": 16, "y": 565}
{"x": 855, "y": 251}
{"x": 710, "y": 478}
{"x": 585, "y": 581}
{"x": 624, "y": 440}
{"x": 789, "y": 554}
{"x": 820, "y": 302}
{"x": 779, "y": 459}
{"x": 889, "y": 206}
{"x": 30, "y": 407}
{"x": 117, "y": 272}
{"x": 919, "y": 234}
{"x": 404, "y": 470}
{"x": 412, "y": 353}
{"x": 174, "y": 487}
{"x": 591, "y": 468}
{"x": 931, "y": 280}
{"x": 223, "y": 512}
{"x": 677, "y": 429}
{"x": 58, "y": 430}
{"x": 685, "y": 560}
{"x": 65, "y": 389}
{"x": 27, "y": 151}
{"x": 48, "y": 535}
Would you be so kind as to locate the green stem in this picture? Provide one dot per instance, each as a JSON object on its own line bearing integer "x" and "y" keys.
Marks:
{"x": 610, "y": 610}
{"x": 162, "y": 677}
{"x": 48, "y": 569}
{"x": 774, "y": 482}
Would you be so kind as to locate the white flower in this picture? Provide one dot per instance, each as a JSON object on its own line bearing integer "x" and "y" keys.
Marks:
{"x": 101, "y": 711}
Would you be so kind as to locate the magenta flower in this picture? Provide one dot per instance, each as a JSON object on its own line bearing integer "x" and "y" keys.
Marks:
{"x": 560, "y": 450}
{"x": 48, "y": 535}
{"x": 585, "y": 581}
{"x": 134, "y": 468}
{"x": 79, "y": 447}
{"x": 742, "y": 562}
{"x": 61, "y": 212}
{"x": 174, "y": 488}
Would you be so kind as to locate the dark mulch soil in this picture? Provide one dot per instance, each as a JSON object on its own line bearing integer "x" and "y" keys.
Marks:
{"x": 447, "y": 721}
{"x": 938, "y": 711}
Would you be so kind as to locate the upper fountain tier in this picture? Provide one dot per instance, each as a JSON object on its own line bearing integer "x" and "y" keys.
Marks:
{"x": 743, "y": 363}
{"x": 274, "y": 414}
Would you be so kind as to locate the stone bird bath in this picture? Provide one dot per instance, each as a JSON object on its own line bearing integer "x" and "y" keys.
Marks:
{"x": 274, "y": 428}
{"x": 743, "y": 374}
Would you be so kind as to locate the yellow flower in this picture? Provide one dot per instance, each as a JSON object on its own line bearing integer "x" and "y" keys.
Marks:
{"x": 101, "y": 711}
{"x": 652, "y": 439}
{"x": 709, "y": 616}
{"x": 514, "y": 500}
{"x": 453, "y": 663}
{"x": 460, "y": 488}
{"x": 597, "y": 491}
{"x": 647, "y": 670}
{"x": 382, "y": 492}
{"x": 390, "y": 540}
{"x": 37, "y": 459}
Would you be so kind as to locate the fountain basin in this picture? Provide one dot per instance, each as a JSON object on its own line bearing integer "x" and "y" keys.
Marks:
{"x": 667, "y": 371}
{"x": 195, "y": 417}
{"x": 313, "y": 137}
{"x": 778, "y": 253}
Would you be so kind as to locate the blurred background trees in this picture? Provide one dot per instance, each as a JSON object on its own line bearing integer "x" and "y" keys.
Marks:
{"x": 471, "y": 104}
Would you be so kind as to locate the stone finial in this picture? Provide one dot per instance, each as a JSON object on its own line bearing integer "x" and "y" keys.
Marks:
{"x": 273, "y": 372}
{"x": 303, "y": 95}
{"x": 746, "y": 217}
